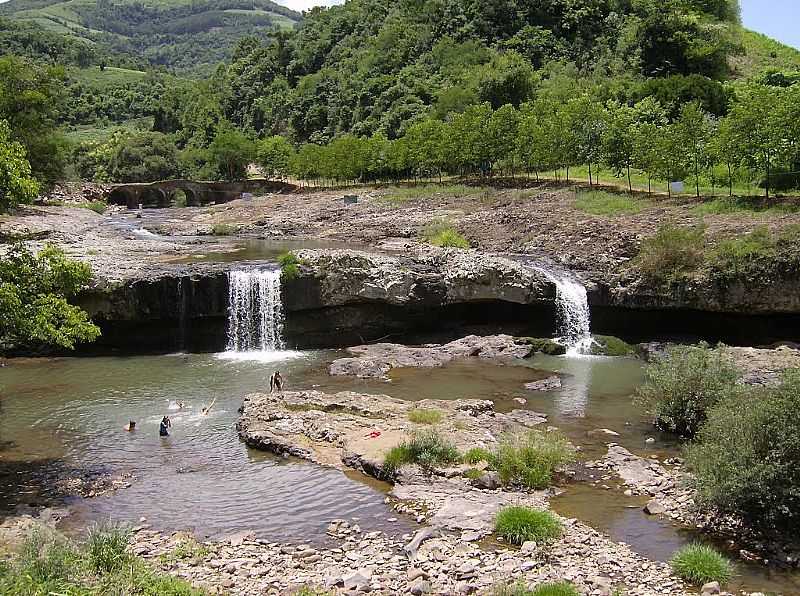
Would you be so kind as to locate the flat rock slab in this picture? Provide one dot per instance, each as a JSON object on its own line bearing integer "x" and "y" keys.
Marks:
{"x": 356, "y": 430}
{"x": 454, "y": 505}
{"x": 376, "y": 360}
{"x": 642, "y": 475}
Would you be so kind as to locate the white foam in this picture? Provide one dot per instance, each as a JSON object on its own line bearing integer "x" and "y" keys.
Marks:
{"x": 264, "y": 356}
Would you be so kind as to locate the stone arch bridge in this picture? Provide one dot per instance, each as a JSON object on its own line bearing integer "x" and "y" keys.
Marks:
{"x": 166, "y": 193}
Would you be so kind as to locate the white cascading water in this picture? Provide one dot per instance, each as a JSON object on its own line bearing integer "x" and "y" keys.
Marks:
{"x": 255, "y": 311}
{"x": 573, "y": 313}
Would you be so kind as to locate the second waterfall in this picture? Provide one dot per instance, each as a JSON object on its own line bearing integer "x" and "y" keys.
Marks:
{"x": 255, "y": 310}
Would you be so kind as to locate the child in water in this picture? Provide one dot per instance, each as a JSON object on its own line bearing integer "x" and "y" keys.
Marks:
{"x": 166, "y": 424}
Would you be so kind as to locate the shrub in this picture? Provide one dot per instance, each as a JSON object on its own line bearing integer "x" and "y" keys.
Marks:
{"x": 425, "y": 416}
{"x": 517, "y": 525}
{"x": 222, "y": 229}
{"x": 746, "y": 459}
{"x": 699, "y": 564}
{"x": 444, "y": 235}
{"x": 672, "y": 253}
{"x": 556, "y": 589}
{"x": 608, "y": 204}
{"x": 477, "y": 454}
{"x": 425, "y": 448}
{"x": 289, "y": 265}
{"x": 530, "y": 459}
{"x": 106, "y": 548}
{"x": 683, "y": 385}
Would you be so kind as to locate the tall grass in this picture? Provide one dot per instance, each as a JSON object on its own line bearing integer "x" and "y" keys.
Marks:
{"x": 699, "y": 564}
{"x": 531, "y": 458}
{"x": 672, "y": 253}
{"x": 425, "y": 448}
{"x": 49, "y": 564}
{"x": 518, "y": 525}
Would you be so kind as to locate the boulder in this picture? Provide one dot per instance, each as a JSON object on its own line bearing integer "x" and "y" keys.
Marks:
{"x": 549, "y": 384}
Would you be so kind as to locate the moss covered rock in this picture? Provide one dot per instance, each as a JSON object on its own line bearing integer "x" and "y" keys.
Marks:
{"x": 544, "y": 345}
{"x": 608, "y": 345}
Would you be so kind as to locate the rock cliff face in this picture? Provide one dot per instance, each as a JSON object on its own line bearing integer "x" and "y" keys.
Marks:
{"x": 353, "y": 295}
{"x": 172, "y": 308}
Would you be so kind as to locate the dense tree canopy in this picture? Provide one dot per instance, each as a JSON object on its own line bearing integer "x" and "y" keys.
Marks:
{"x": 17, "y": 185}
{"x": 34, "y": 291}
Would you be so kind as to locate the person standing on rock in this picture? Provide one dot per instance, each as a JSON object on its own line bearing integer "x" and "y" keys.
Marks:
{"x": 276, "y": 382}
{"x": 166, "y": 424}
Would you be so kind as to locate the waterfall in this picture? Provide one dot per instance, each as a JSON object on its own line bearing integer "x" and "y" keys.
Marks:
{"x": 572, "y": 305}
{"x": 255, "y": 311}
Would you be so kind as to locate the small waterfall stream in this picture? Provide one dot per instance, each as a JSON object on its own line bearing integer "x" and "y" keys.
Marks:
{"x": 255, "y": 311}
{"x": 572, "y": 305}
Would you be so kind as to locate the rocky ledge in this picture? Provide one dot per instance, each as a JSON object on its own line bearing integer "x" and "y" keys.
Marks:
{"x": 430, "y": 277}
{"x": 376, "y": 360}
{"x": 357, "y": 430}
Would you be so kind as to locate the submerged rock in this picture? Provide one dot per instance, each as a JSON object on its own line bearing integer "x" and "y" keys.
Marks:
{"x": 549, "y": 384}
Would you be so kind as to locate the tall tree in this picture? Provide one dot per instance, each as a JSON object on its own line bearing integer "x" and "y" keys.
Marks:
{"x": 17, "y": 185}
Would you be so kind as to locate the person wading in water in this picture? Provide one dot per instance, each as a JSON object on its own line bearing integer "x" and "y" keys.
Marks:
{"x": 166, "y": 424}
{"x": 276, "y": 382}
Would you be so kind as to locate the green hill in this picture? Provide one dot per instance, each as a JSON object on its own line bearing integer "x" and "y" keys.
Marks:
{"x": 761, "y": 53}
{"x": 184, "y": 36}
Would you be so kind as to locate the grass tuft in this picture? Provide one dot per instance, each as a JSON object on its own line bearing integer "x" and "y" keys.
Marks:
{"x": 699, "y": 564}
{"x": 530, "y": 459}
{"x": 602, "y": 203}
{"x": 290, "y": 266}
{"x": 425, "y": 416}
{"x": 107, "y": 548}
{"x": 425, "y": 448}
{"x": 444, "y": 235}
{"x": 518, "y": 525}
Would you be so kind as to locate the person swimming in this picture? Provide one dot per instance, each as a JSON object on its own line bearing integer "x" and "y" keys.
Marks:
{"x": 131, "y": 426}
{"x": 276, "y": 382}
{"x": 166, "y": 424}
{"x": 206, "y": 410}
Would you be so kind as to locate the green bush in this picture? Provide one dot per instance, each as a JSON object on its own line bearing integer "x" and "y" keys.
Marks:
{"x": 223, "y": 229}
{"x": 531, "y": 458}
{"x": 425, "y": 416}
{"x": 746, "y": 459}
{"x": 556, "y": 589}
{"x": 608, "y": 204}
{"x": 517, "y": 525}
{"x": 683, "y": 385}
{"x": 444, "y": 235}
{"x": 290, "y": 266}
{"x": 35, "y": 289}
{"x": 699, "y": 564}
{"x": 107, "y": 548}
{"x": 672, "y": 253}
{"x": 425, "y": 448}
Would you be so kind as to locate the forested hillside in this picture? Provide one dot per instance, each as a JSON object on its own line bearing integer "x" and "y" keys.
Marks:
{"x": 181, "y": 35}
{"x": 380, "y": 89}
